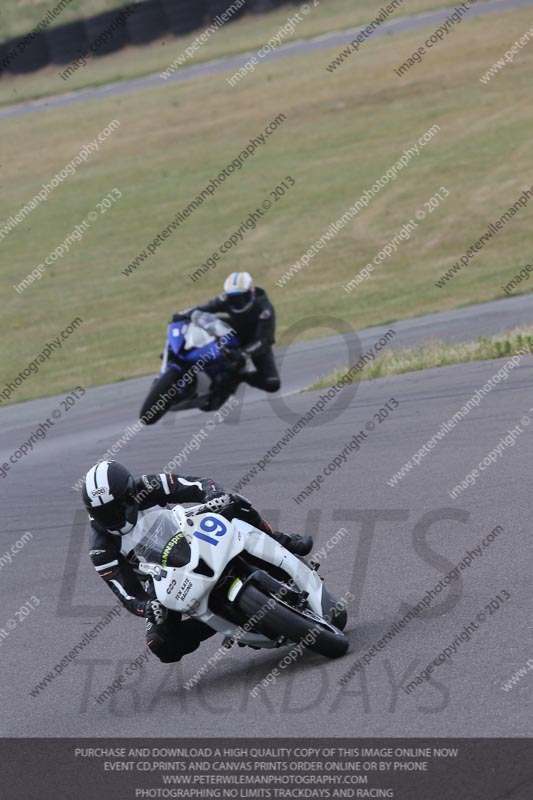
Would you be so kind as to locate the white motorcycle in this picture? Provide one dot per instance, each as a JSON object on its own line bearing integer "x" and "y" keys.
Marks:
{"x": 237, "y": 580}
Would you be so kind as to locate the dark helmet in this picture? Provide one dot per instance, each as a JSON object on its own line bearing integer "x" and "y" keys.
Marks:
{"x": 239, "y": 287}
{"x": 109, "y": 496}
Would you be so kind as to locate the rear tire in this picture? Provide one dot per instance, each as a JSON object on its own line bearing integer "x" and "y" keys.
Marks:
{"x": 158, "y": 402}
{"x": 296, "y": 625}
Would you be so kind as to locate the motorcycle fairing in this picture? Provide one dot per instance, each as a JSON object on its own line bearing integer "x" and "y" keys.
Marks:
{"x": 213, "y": 542}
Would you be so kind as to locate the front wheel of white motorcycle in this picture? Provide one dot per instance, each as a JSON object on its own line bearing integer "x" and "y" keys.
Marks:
{"x": 277, "y": 618}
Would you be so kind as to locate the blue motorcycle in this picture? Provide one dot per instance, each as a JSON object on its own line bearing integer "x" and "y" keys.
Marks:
{"x": 198, "y": 346}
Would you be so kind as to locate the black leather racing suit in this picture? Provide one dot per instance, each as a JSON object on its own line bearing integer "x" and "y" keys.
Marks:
{"x": 255, "y": 329}
{"x": 114, "y": 560}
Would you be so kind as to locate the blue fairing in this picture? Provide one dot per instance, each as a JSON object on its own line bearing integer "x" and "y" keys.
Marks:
{"x": 210, "y": 353}
{"x": 176, "y": 335}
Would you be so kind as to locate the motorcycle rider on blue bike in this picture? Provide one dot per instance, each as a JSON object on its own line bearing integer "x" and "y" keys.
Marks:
{"x": 116, "y": 501}
{"x": 250, "y": 313}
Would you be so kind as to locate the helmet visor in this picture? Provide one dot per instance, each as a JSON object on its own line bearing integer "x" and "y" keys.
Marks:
{"x": 241, "y": 301}
{"x": 115, "y": 515}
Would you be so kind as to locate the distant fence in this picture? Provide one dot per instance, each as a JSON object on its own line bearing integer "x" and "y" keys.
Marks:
{"x": 136, "y": 23}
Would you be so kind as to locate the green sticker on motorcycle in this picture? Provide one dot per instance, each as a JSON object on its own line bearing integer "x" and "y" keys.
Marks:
{"x": 169, "y": 546}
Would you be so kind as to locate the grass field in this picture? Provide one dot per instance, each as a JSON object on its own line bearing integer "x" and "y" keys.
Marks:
{"x": 249, "y": 33}
{"x": 437, "y": 354}
{"x": 342, "y": 131}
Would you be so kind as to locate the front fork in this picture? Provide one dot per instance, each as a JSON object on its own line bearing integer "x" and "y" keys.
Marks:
{"x": 165, "y": 360}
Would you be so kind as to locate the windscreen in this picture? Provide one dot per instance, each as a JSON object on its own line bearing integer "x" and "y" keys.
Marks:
{"x": 161, "y": 540}
{"x": 214, "y": 325}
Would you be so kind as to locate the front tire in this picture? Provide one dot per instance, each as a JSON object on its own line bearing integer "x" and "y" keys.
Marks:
{"x": 158, "y": 400}
{"x": 281, "y": 619}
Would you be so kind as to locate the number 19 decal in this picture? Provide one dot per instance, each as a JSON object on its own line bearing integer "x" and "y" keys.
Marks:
{"x": 211, "y": 525}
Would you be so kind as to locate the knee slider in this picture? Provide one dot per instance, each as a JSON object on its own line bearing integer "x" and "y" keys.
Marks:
{"x": 272, "y": 384}
{"x": 161, "y": 650}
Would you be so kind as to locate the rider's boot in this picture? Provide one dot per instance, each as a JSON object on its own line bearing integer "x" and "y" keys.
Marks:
{"x": 215, "y": 398}
{"x": 212, "y": 402}
{"x": 293, "y": 542}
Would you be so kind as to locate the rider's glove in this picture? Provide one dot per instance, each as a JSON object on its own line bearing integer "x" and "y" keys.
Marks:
{"x": 155, "y": 612}
{"x": 181, "y": 314}
{"x": 240, "y": 498}
{"x": 219, "y": 501}
{"x": 212, "y": 494}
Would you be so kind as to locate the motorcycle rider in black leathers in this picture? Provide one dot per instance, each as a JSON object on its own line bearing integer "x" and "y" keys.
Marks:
{"x": 115, "y": 501}
{"x": 251, "y": 315}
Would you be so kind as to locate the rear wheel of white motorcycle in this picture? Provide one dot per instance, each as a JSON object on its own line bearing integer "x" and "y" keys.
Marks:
{"x": 298, "y": 625}
{"x": 160, "y": 397}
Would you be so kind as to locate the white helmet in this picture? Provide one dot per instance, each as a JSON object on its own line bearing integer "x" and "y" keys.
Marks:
{"x": 109, "y": 497}
{"x": 239, "y": 287}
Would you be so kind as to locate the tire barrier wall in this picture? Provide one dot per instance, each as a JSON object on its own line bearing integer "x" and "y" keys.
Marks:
{"x": 135, "y": 23}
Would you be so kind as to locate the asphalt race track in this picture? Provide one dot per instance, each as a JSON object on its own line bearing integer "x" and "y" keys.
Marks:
{"x": 398, "y": 543}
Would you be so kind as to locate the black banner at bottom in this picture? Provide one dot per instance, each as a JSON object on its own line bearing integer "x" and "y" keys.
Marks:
{"x": 404, "y": 769}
